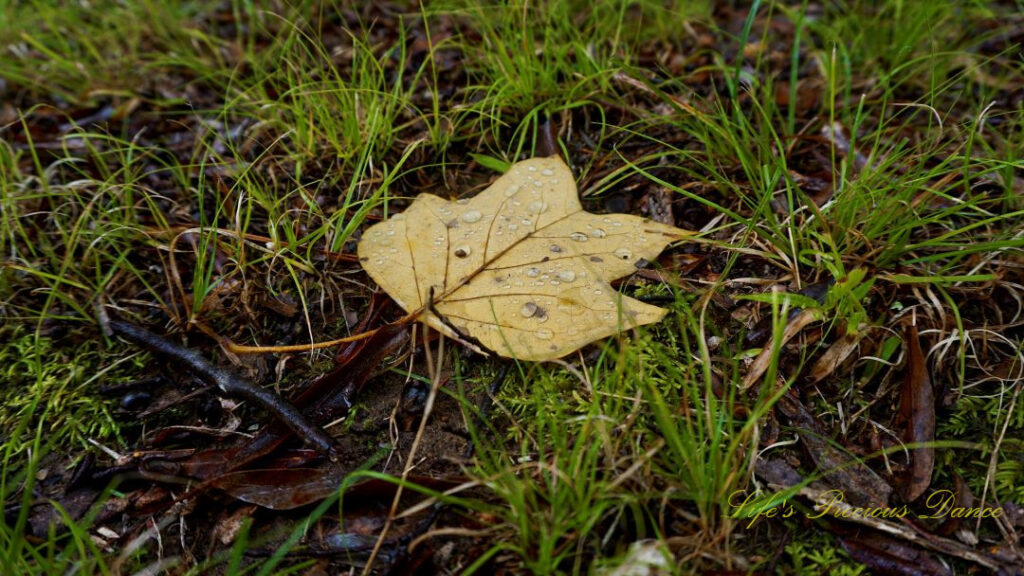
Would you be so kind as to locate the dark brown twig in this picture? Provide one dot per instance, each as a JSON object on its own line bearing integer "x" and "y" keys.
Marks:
{"x": 229, "y": 384}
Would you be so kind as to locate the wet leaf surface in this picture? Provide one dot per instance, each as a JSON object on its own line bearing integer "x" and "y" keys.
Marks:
{"x": 520, "y": 268}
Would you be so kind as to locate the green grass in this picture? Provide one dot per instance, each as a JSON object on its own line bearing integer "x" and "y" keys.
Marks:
{"x": 249, "y": 140}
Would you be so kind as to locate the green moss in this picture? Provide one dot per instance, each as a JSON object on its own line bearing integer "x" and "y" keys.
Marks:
{"x": 53, "y": 389}
{"x": 817, "y": 554}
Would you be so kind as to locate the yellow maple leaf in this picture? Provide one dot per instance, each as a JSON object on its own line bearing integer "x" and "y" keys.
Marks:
{"x": 521, "y": 268}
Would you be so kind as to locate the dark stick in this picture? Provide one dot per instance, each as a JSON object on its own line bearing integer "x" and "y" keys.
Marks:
{"x": 229, "y": 384}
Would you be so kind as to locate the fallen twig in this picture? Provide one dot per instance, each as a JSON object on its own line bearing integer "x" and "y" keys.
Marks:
{"x": 229, "y": 384}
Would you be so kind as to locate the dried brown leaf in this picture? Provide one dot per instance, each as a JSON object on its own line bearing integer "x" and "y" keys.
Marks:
{"x": 281, "y": 488}
{"x": 764, "y": 359}
{"x": 917, "y": 412}
{"x": 834, "y": 356}
{"x": 228, "y": 527}
{"x": 963, "y": 498}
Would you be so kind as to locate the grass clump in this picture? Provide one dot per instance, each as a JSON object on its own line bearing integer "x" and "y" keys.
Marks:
{"x": 635, "y": 445}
